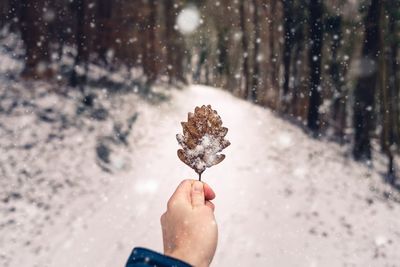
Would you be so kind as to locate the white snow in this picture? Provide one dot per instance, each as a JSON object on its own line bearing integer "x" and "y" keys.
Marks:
{"x": 283, "y": 198}
{"x": 146, "y": 186}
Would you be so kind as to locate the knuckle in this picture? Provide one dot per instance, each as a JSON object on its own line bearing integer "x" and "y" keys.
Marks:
{"x": 211, "y": 205}
{"x": 162, "y": 218}
{"x": 186, "y": 182}
{"x": 171, "y": 204}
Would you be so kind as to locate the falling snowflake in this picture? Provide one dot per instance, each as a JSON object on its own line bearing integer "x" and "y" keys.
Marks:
{"x": 188, "y": 20}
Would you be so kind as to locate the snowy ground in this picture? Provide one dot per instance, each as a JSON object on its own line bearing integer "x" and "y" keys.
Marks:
{"x": 283, "y": 198}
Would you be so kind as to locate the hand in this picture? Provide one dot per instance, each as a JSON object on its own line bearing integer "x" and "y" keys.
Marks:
{"x": 189, "y": 228}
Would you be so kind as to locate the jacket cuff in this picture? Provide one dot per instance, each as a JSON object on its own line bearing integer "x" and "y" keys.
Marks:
{"x": 146, "y": 257}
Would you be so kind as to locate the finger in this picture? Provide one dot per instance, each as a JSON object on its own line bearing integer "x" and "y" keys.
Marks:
{"x": 198, "y": 194}
{"x": 208, "y": 192}
{"x": 181, "y": 194}
{"x": 210, "y": 205}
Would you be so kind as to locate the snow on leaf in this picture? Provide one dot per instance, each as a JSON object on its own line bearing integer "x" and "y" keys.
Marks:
{"x": 202, "y": 139}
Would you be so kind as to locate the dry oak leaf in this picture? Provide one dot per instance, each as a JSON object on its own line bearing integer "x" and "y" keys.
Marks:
{"x": 203, "y": 138}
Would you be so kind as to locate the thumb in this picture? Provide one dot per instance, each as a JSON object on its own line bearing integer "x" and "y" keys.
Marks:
{"x": 197, "y": 194}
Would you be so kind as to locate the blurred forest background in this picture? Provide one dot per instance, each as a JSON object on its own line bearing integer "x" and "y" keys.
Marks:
{"x": 331, "y": 65}
{"x": 76, "y": 76}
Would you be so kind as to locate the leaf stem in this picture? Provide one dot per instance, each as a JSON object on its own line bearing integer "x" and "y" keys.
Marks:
{"x": 200, "y": 176}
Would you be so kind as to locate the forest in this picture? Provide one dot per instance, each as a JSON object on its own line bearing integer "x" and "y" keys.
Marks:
{"x": 330, "y": 66}
{"x": 92, "y": 93}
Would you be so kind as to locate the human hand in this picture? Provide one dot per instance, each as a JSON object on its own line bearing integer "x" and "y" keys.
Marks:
{"x": 189, "y": 228}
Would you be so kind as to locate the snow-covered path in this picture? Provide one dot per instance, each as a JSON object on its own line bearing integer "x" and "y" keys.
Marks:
{"x": 283, "y": 199}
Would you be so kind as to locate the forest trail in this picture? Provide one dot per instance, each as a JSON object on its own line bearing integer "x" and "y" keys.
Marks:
{"x": 283, "y": 199}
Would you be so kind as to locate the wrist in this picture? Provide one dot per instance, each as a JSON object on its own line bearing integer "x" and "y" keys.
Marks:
{"x": 186, "y": 257}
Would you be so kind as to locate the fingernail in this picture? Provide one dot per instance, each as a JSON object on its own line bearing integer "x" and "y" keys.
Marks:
{"x": 198, "y": 186}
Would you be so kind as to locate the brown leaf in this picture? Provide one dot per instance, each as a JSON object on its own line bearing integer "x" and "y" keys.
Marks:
{"x": 203, "y": 137}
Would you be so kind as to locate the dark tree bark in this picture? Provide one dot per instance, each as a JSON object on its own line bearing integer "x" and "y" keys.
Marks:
{"x": 287, "y": 46}
{"x": 256, "y": 62}
{"x": 60, "y": 21}
{"x": 4, "y": 10}
{"x": 274, "y": 73}
{"x": 9, "y": 10}
{"x": 245, "y": 49}
{"x": 149, "y": 43}
{"x": 339, "y": 100}
{"x": 82, "y": 55}
{"x": 202, "y": 60}
{"x": 15, "y": 9}
{"x": 273, "y": 52}
{"x": 388, "y": 69}
{"x": 296, "y": 68}
{"x": 34, "y": 34}
{"x": 386, "y": 113}
{"x": 297, "y": 77}
{"x": 394, "y": 83}
{"x": 316, "y": 31}
{"x": 169, "y": 37}
{"x": 174, "y": 45}
{"x": 104, "y": 27}
{"x": 364, "y": 94}
{"x": 223, "y": 58}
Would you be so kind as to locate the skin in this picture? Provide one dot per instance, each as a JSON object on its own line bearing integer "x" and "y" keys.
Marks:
{"x": 189, "y": 228}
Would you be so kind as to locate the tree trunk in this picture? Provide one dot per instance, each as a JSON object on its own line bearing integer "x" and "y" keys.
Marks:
{"x": 394, "y": 83}
{"x": 174, "y": 54}
{"x": 14, "y": 12}
{"x": 297, "y": 80}
{"x": 287, "y": 47}
{"x": 9, "y": 10}
{"x": 169, "y": 33}
{"x": 245, "y": 49}
{"x": 316, "y": 31}
{"x": 339, "y": 100}
{"x": 272, "y": 54}
{"x": 256, "y": 61}
{"x": 296, "y": 67}
{"x": 200, "y": 64}
{"x": 364, "y": 94}
{"x": 34, "y": 35}
{"x": 4, "y": 10}
{"x": 223, "y": 58}
{"x": 149, "y": 43}
{"x": 82, "y": 55}
{"x": 104, "y": 27}
{"x": 389, "y": 86}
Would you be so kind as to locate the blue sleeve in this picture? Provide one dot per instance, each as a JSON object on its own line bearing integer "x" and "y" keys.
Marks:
{"x": 142, "y": 257}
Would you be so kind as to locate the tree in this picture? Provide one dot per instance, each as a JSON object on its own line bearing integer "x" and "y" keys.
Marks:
{"x": 389, "y": 86}
{"x": 394, "y": 82}
{"x": 334, "y": 27}
{"x": 316, "y": 31}
{"x": 104, "y": 27}
{"x": 9, "y": 10}
{"x": 272, "y": 50}
{"x": 298, "y": 52}
{"x": 256, "y": 61}
{"x": 148, "y": 27}
{"x": 245, "y": 49}
{"x": 34, "y": 34}
{"x": 174, "y": 45}
{"x": 364, "y": 94}
{"x": 287, "y": 46}
{"x": 223, "y": 62}
{"x": 82, "y": 55}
